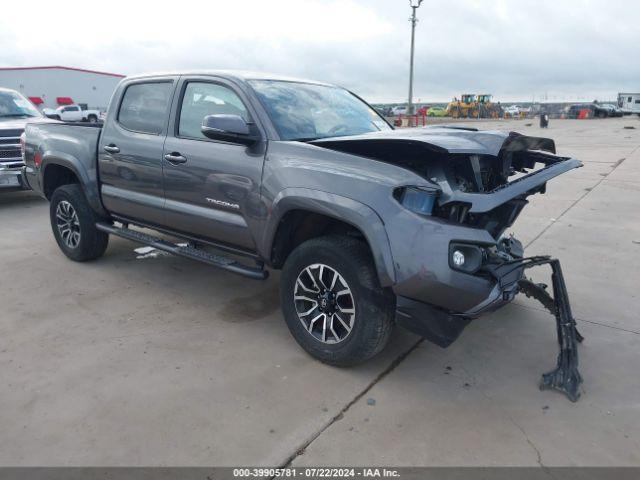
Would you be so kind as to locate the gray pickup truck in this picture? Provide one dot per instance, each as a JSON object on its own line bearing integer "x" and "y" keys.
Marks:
{"x": 370, "y": 226}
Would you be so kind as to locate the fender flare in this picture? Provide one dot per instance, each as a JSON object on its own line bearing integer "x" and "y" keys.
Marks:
{"x": 88, "y": 177}
{"x": 345, "y": 209}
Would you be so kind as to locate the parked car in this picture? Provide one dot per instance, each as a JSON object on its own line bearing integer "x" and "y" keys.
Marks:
{"x": 611, "y": 110}
{"x": 399, "y": 110}
{"x": 574, "y": 111}
{"x": 512, "y": 111}
{"x": 370, "y": 226}
{"x": 437, "y": 112}
{"x": 73, "y": 113}
{"x": 15, "y": 111}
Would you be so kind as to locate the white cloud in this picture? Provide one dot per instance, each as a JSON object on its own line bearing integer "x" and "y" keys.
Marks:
{"x": 514, "y": 49}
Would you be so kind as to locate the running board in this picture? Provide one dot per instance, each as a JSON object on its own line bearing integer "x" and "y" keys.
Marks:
{"x": 189, "y": 252}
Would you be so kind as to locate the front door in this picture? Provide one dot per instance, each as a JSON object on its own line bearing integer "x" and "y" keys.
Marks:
{"x": 130, "y": 151}
{"x": 212, "y": 188}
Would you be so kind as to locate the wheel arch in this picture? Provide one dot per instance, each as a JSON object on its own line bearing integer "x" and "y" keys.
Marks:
{"x": 294, "y": 207}
{"x": 59, "y": 168}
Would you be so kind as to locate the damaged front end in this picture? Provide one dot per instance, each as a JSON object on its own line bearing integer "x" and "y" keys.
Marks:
{"x": 453, "y": 260}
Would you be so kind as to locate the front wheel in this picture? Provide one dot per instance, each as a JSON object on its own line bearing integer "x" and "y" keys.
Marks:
{"x": 74, "y": 225}
{"x": 333, "y": 303}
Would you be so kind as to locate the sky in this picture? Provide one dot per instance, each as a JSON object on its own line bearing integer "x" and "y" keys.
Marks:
{"x": 518, "y": 50}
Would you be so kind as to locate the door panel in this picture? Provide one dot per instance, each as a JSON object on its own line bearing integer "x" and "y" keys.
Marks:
{"x": 217, "y": 186}
{"x": 130, "y": 151}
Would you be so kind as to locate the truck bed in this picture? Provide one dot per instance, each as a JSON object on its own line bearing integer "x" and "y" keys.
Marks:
{"x": 70, "y": 144}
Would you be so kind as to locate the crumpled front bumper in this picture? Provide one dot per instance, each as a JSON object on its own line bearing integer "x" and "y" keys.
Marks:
{"x": 439, "y": 302}
{"x": 424, "y": 274}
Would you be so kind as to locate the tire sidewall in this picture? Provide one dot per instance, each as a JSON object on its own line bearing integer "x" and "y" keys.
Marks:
{"x": 88, "y": 238}
{"x": 365, "y": 300}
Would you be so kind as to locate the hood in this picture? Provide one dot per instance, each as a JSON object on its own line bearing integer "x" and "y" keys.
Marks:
{"x": 482, "y": 178}
{"x": 444, "y": 139}
{"x": 13, "y": 123}
{"x": 16, "y": 125}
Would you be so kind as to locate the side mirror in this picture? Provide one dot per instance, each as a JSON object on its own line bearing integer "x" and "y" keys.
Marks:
{"x": 230, "y": 128}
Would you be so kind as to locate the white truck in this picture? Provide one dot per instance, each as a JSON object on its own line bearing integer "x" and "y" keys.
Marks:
{"x": 629, "y": 103}
{"x": 73, "y": 113}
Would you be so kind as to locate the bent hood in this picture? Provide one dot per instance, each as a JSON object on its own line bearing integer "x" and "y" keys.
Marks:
{"x": 481, "y": 170}
{"x": 445, "y": 139}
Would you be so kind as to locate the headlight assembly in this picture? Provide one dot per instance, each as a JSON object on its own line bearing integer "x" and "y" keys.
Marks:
{"x": 420, "y": 200}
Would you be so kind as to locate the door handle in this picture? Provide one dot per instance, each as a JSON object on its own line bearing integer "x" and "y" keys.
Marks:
{"x": 175, "y": 158}
{"x": 111, "y": 148}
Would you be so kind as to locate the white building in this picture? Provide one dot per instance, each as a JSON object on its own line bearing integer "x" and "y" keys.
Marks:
{"x": 53, "y": 86}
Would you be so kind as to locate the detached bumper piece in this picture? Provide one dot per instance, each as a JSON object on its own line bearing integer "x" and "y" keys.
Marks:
{"x": 565, "y": 377}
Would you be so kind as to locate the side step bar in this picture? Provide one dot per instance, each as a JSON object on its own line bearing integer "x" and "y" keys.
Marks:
{"x": 189, "y": 252}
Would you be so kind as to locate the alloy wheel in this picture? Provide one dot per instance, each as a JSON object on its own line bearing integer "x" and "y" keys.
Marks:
{"x": 324, "y": 303}
{"x": 68, "y": 224}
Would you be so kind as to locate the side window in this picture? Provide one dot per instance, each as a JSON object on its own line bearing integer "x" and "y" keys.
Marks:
{"x": 144, "y": 107}
{"x": 202, "y": 99}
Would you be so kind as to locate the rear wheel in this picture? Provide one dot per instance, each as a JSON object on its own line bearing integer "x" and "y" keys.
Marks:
{"x": 74, "y": 225}
{"x": 333, "y": 303}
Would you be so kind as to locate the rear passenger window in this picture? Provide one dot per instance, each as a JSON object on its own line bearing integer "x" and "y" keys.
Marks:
{"x": 202, "y": 99}
{"x": 144, "y": 107}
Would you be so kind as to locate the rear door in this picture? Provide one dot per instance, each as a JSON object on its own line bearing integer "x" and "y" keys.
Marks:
{"x": 130, "y": 149}
{"x": 212, "y": 188}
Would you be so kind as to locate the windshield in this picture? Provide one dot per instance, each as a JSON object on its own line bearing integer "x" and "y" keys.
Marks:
{"x": 12, "y": 104}
{"x": 304, "y": 111}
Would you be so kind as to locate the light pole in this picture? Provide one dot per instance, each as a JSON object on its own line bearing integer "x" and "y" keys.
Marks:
{"x": 414, "y": 6}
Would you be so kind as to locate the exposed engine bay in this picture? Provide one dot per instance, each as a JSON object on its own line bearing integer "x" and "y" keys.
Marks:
{"x": 484, "y": 187}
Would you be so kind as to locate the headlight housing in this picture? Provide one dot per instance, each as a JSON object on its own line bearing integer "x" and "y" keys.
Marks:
{"x": 420, "y": 200}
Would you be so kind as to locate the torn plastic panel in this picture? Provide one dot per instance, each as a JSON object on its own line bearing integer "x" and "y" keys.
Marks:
{"x": 483, "y": 178}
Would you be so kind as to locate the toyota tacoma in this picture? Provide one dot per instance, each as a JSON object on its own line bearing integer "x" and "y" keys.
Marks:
{"x": 371, "y": 226}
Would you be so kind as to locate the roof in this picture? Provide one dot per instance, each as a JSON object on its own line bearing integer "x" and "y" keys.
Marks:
{"x": 58, "y": 67}
{"x": 241, "y": 75}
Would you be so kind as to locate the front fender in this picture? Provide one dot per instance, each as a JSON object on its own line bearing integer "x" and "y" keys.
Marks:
{"x": 341, "y": 208}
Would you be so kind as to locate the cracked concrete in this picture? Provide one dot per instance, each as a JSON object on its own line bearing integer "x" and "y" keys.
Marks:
{"x": 163, "y": 361}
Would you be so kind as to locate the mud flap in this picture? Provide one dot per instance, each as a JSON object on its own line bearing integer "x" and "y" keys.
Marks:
{"x": 565, "y": 377}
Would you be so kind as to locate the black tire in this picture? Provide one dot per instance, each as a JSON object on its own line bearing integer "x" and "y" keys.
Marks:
{"x": 91, "y": 243}
{"x": 374, "y": 306}
{"x": 92, "y": 119}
